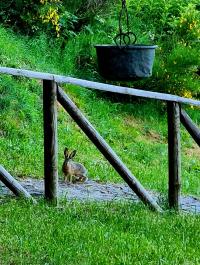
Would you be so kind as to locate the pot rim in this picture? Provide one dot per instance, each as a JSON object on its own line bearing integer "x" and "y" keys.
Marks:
{"x": 135, "y": 46}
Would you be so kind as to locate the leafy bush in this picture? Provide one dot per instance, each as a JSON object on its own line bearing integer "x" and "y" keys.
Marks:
{"x": 23, "y": 14}
{"x": 187, "y": 25}
{"x": 60, "y": 18}
{"x": 168, "y": 18}
{"x": 176, "y": 71}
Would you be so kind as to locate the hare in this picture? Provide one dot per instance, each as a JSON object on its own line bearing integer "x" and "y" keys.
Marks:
{"x": 73, "y": 172}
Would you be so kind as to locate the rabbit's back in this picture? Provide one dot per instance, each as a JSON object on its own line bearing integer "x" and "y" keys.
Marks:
{"x": 77, "y": 169}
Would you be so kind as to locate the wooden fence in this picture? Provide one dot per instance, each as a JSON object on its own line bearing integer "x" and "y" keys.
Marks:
{"x": 52, "y": 92}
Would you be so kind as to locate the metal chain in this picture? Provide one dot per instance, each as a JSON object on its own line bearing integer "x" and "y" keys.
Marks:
{"x": 124, "y": 11}
{"x": 123, "y": 3}
{"x": 124, "y": 37}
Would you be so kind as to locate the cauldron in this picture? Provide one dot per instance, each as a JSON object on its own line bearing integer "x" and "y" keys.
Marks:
{"x": 125, "y": 62}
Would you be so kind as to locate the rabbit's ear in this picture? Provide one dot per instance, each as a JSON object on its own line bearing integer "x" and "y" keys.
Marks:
{"x": 66, "y": 152}
{"x": 72, "y": 154}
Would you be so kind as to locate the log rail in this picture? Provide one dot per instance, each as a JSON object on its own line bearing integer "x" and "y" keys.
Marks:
{"x": 99, "y": 86}
{"x": 51, "y": 93}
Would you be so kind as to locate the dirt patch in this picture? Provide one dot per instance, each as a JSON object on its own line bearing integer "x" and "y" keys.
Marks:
{"x": 193, "y": 151}
{"x": 96, "y": 191}
{"x": 131, "y": 121}
{"x": 152, "y": 136}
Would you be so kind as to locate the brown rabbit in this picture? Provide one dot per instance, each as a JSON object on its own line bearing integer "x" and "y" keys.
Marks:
{"x": 73, "y": 172}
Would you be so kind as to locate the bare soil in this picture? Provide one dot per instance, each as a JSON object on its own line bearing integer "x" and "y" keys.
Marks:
{"x": 97, "y": 191}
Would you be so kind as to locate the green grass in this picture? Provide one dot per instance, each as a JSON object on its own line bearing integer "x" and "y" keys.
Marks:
{"x": 108, "y": 233}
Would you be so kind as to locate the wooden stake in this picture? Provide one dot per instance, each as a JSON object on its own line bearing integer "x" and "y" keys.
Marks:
{"x": 174, "y": 154}
{"x": 50, "y": 141}
{"x": 106, "y": 150}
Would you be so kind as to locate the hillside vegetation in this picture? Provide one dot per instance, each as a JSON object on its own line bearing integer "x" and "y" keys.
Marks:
{"x": 136, "y": 129}
{"x": 73, "y": 27}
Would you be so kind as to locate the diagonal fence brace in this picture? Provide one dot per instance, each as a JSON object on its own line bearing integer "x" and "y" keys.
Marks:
{"x": 106, "y": 150}
{"x": 14, "y": 185}
{"x": 190, "y": 126}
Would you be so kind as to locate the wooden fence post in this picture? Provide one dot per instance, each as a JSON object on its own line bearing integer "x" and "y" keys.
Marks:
{"x": 50, "y": 141}
{"x": 174, "y": 154}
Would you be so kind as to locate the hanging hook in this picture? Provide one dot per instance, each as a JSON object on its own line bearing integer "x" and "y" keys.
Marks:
{"x": 124, "y": 37}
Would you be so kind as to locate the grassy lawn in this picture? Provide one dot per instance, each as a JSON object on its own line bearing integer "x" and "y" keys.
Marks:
{"x": 108, "y": 233}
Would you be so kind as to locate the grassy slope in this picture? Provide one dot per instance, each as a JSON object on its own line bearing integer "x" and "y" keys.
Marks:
{"x": 111, "y": 233}
{"x": 136, "y": 130}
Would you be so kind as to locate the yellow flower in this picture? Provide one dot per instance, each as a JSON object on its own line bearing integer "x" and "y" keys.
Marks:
{"x": 187, "y": 94}
{"x": 52, "y": 15}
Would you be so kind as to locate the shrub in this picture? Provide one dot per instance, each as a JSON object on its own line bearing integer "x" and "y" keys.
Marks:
{"x": 23, "y": 15}
{"x": 168, "y": 18}
{"x": 57, "y": 17}
{"x": 187, "y": 25}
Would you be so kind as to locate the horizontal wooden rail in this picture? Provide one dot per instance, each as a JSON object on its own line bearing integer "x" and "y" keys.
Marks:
{"x": 105, "y": 149}
{"x": 99, "y": 86}
{"x": 190, "y": 126}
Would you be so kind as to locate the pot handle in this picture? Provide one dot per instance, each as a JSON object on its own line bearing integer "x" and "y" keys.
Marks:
{"x": 124, "y": 38}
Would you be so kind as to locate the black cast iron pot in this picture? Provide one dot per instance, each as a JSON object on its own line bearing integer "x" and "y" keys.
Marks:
{"x": 130, "y": 62}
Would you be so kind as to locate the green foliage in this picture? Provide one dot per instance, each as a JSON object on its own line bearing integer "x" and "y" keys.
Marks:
{"x": 165, "y": 19}
{"x": 21, "y": 128}
{"x": 52, "y": 16}
{"x": 187, "y": 25}
{"x": 175, "y": 71}
{"x": 23, "y": 15}
{"x": 174, "y": 26}
{"x": 157, "y": 19}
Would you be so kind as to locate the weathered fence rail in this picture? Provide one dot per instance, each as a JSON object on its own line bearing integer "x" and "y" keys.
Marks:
{"x": 175, "y": 114}
{"x": 99, "y": 86}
